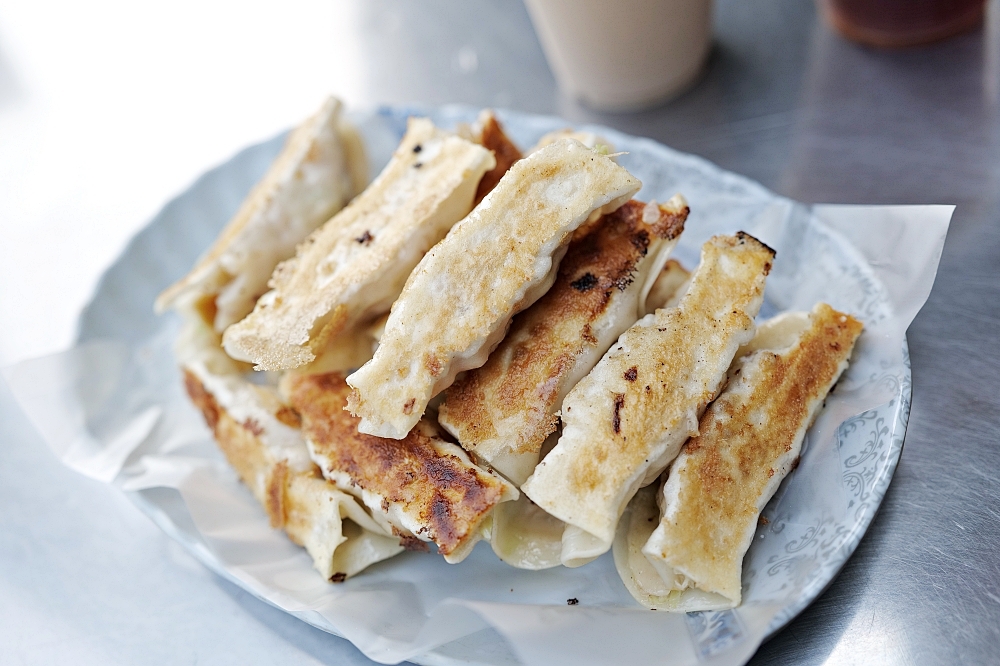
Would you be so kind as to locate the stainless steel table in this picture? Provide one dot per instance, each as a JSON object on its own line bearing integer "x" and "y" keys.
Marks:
{"x": 783, "y": 101}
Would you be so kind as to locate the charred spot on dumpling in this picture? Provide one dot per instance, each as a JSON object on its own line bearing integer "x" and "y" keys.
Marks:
{"x": 585, "y": 283}
{"x": 338, "y": 577}
{"x": 616, "y": 417}
{"x": 640, "y": 240}
{"x": 631, "y": 374}
{"x": 365, "y": 238}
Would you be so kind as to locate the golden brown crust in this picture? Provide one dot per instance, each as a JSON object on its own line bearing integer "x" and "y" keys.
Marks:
{"x": 506, "y": 153}
{"x": 458, "y": 302}
{"x": 638, "y": 403}
{"x": 275, "y": 506}
{"x": 448, "y": 497}
{"x": 523, "y": 376}
{"x": 626, "y": 420}
{"x": 311, "y": 511}
{"x": 318, "y": 171}
{"x": 749, "y": 439}
{"x": 353, "y": 267}
{"x": 240, "y": 444}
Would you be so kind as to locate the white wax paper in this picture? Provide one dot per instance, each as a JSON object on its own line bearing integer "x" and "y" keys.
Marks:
{"x": 113, "y": 408}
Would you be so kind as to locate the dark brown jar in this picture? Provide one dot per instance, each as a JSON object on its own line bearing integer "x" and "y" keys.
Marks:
{"x": 898, "y": 23}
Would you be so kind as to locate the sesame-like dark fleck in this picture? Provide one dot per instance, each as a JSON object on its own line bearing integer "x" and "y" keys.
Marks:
{"x": 365, "y": 238}
{"x": 572, "y": 602}
{"x": 417, "y": 148}
{"x": 417, "y": 165}
{"x": 338, "y": 577}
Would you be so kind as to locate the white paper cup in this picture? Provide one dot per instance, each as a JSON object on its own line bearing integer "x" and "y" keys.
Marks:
{"x": 620, "y": 55}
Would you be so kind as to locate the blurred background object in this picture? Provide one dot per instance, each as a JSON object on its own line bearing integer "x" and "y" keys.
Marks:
{"x": 898, "y": 23}
{"x": 627, "y": 54}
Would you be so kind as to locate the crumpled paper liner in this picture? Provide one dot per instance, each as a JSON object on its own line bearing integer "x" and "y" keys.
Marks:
{"x": 115, "y": 411}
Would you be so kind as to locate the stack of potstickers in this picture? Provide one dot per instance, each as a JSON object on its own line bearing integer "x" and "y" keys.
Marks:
{"x": 485, "y": 344}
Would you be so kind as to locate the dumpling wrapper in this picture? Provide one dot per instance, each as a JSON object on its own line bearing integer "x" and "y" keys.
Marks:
{"x": 503, "y": 411}
{"x": 589, "y": 139}
{"x": 353, "y": 348}
{"x": 423, "y": 488}
{"x": 489, "y": 134}
{"x": 641, "y": 517}
{"x": 354, "y": 266}
{"x": 526, "y": 537}
{"x": 458, "y": 302}
{"x": 669, "y": 288}
{"x": 259, "y": 436}
{"x": 321, "y": 167}
{"x": 626, "y": 420}
{"x": 750, "y": 439}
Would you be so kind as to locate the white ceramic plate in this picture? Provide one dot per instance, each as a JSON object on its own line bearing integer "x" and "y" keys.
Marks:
{"x": 816, "y": 520}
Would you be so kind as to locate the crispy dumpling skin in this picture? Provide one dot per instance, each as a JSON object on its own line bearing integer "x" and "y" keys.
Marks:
{"x": 321, "y": 167}
{"x": 489, "y": 134}
{"x": 423, "y": 488}
{"x": 354, "y": 347}
{"x": 353, "y": 267}
{"x": 457, "y": 303}
{"x": 260, "y": 438}
{"x": 503, "y": 411}
{"x": 749, "y": 440}
{"x": 625, "y": 421}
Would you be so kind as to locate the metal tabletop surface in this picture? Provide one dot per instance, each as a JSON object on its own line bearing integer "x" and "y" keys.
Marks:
{"x": 784, "y": 101}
